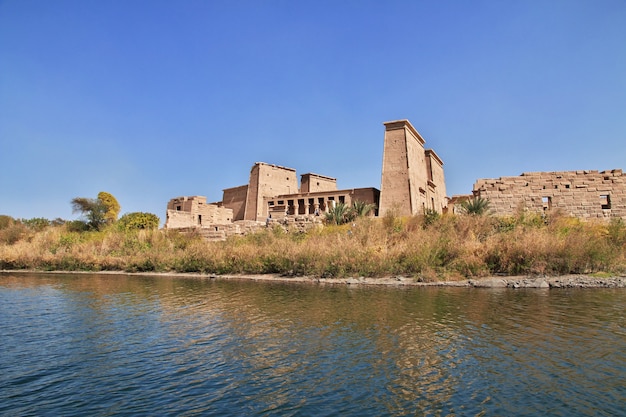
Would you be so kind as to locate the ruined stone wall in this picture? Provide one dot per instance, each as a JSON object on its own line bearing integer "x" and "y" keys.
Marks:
{"x": 412, "y": 177}
{"x": 312, "y": 183}
{"x": 178, "y": 219}
{"x": 183, "y": 212}
{"x": 181, "y": 204}
{"x": 235, "y": 199}
{"x": 267, "y": 181}
{"x": 215, "y": 214}
{"x": 583, "y": 194}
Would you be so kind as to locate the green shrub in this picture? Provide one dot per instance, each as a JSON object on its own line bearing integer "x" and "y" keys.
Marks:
{"x": 137, "y": 221}
{"x": 36, "y": 223}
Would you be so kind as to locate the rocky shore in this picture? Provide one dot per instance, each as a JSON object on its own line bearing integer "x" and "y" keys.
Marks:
{"x": 567, "y": 281}
{"x": 546, "y": 282}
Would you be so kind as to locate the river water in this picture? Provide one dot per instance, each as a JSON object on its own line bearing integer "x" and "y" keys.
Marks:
{"x": 103, "y": 345}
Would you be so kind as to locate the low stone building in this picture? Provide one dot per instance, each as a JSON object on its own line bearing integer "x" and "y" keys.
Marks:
{"x": 582, "y": 194}
{"x": 271, "y": 195}
{"x": 195, "y": 212}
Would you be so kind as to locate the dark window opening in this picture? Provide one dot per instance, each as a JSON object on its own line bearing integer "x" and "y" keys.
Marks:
{"x": 342, "y": 199}
{"x": 546, "y": 202}
{"x": 178, "y": 208}
{"x": 199, "y": 218}
{"x": 605, "y": 200}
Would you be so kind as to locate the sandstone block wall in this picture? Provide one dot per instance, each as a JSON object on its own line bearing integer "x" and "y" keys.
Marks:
{"x": 583, "y": 194}
{"x": 183, "y": 212}
{"x": 412, "y": 177}
{"x": 235, "y": 199}
{"x": 266, "y": 181}
{"x": 436, "y": 182}
{"x": 312, "y": 183}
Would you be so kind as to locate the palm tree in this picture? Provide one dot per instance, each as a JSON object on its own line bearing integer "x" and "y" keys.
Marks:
{"x": 338, "y": 214}
{"x": 342, "y": 213}
{"x": 475, "y": 205}
{"x": 362, "y": 209}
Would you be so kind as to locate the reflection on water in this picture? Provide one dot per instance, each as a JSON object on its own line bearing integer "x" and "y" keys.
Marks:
{"x": 102, "y": 345}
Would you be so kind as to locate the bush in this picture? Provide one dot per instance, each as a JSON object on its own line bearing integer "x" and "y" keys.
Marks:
{"x": 11, "y": 230}
{"x": 449, "y": 248}
{"x": 6, "y": 221}
{"x": 36, "y": 223}
{"x": 138, "y": 221}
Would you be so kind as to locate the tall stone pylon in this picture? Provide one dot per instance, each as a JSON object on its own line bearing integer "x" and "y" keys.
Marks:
{"x": 412, "y": 177}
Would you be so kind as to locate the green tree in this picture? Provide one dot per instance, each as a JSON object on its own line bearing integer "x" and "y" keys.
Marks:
{"x": 475, "y": 205}
{"x": 138, "y": 220}
{"x": 97, "y": 212}
{"x": 93, "y": 211}
{"x": 112, "y": 206}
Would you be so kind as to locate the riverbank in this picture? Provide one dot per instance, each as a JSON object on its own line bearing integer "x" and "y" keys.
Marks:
{"x": 564, "y": 281}
{"x": 448, "y": 248}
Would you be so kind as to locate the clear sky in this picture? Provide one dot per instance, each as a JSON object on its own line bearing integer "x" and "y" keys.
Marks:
{"x": 151, "y": 100}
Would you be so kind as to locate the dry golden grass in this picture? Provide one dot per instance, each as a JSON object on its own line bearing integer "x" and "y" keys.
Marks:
{"x": 448, "y": 247}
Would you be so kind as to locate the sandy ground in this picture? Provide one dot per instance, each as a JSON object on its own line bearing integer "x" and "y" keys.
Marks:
{"x": 563, "y": 281}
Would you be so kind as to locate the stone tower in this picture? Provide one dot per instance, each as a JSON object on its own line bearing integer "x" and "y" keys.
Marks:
{"x": 412, "y": 176}
{"x": 267, "y": 180}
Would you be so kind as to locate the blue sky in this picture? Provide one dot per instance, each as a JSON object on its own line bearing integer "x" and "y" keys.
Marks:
{"x": 151, "y": 100}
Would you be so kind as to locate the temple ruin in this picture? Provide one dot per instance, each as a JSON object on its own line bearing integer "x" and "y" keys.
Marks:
{"x": 412, "y": 183}
{"x": 582, "y": 194}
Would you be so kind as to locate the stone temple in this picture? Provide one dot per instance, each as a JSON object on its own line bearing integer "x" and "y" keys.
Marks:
{"x": 412, "y": 183}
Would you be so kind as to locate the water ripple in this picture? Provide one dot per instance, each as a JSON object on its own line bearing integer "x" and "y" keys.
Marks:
{"x": 102, "y": 345}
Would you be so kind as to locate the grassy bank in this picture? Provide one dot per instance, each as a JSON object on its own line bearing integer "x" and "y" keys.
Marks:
{"x": 429, "y": 248}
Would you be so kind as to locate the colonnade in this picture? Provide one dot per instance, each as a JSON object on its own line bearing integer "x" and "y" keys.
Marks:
{"x": 308, "y": 206}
